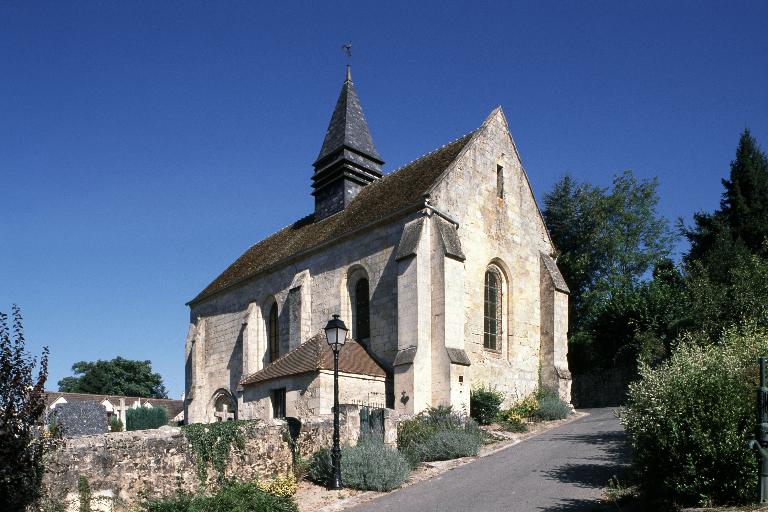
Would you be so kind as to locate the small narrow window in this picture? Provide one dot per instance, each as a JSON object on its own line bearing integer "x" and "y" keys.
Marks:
{"x": 492, "y": 310}
{"x": 362, "y": 311}
{"x": 278, "y": 403}
{"x": 500, "y": 181}
{"x": 274, "y": 340}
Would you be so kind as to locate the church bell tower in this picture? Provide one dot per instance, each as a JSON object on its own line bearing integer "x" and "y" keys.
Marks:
{"x": 348, "y": 160}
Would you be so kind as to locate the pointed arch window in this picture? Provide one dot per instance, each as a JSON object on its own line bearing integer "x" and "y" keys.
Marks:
{"x": 272, "y": 334}
{"x": 362, "y": 311}
{"x": 492, "y": 303}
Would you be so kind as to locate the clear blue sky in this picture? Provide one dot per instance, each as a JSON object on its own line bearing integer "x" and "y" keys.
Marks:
{"x": 144, "y": 145}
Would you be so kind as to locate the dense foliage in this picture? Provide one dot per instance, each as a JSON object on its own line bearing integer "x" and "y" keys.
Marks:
{"x": 23, "y": 440}
{"x": 439, "y": 433}
{"x": 116, "y": 424}
{"x": 370, "y": 465}
{"x": 116, "y": 377}
{"x": 231, "y": 497}
{"x": 689, "y": 420}
{"x": 484, "y": 404}
{"x": 142, "y": 418}
{"x": 212, "y": 444}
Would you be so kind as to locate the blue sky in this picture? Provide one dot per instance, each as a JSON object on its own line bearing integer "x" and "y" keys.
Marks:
{"x": 145, "y": 145}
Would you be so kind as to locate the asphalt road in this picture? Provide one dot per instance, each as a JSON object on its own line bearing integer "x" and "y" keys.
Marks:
{"x": 562, "y": 470}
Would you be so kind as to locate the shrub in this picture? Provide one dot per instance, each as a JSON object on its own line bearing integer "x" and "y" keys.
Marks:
{"x": 320, "y": 467}
{"x": 115, "y": 424}
{"x": 371, "y": 465}
{"x": 23, "y": 444}
{"x": 230, "y": 497}
{"x": 484, "y": 404}
{"x": 526, "y": 407}
{"x": 301, "y": 468}
{"x": 281, "y": 485}
{"x": 689, "y": 419}
{"x": 438, "y": 433}
{"x": 511, "y": 421}
{"x": 142, "y": 418}
{"x": 551, "y": 406}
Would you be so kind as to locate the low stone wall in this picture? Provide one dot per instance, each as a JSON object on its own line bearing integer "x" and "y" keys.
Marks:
{"x": 129, "y": 465}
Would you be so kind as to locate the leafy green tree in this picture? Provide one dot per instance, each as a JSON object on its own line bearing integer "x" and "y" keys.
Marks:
{"x": 116, "y": 377}
{"x": 22, "y": 405}
{"x": 607, "y": 239}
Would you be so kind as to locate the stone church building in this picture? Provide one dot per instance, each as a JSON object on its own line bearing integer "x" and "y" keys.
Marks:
{"x": 443, "y": 271}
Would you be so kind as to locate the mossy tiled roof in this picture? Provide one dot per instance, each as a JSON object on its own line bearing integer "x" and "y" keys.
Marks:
{"x": 393, "y": 193}
{"x": 314, "y": 355}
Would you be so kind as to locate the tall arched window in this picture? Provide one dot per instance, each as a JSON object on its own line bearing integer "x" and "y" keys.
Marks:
{"x": 272, "y": 334}
{"x": 492, "y": 310}
{"x": 362, "y": 311}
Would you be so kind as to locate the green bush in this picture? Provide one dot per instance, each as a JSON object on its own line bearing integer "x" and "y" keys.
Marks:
{"x": 231, "y": 497}
{"x": 511, "y": 421}
{"x": 370, "y": 465}
{"x": 115, "y": 424}
{"x": 484, "y": 404}
{"x": 689, "y": 419}
{"x": 142, "y": 418}
{"x": 438, "y": 433}
{"x": 550, "y": 406}
{"x": 320, "y": 467}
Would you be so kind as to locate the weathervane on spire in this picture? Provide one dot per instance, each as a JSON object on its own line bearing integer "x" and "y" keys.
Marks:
{"x": 347, "y": 48}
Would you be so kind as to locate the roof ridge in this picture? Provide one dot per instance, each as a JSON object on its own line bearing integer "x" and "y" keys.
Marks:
{"x": 425, "y": 155}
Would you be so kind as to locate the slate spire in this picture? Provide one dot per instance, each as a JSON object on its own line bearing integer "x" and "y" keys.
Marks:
{"x": 348, "y": 159}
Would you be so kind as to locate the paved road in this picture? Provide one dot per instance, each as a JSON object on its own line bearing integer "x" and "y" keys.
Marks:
{"x": 562, "y": 470}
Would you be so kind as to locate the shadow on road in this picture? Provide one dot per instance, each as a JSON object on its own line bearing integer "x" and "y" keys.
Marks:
{"x": 581, "y": 506}
{"x": 592, "y": 472}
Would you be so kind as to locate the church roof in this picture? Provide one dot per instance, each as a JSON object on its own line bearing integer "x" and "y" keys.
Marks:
{"x": 314, "y": 355}
{"x": 393, "y": 193}
{"x": 348, "y": 127}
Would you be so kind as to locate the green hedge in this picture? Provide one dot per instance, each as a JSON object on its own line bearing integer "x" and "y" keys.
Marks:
{"x": 689, "y": 420}
{"x": 142, "y": 418}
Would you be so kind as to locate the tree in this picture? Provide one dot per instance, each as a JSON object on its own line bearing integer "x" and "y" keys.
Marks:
{"x": 116, "y": 377}
{"x": 607, "y": 240}
{"x": 740, "y": 225}
{"x": 22, "y": 405}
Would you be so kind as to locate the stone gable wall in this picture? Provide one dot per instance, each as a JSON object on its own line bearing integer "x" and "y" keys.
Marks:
{"x": 509, "y": 233}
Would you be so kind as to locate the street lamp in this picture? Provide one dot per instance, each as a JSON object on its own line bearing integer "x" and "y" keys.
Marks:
{"x": 336, "y": 335}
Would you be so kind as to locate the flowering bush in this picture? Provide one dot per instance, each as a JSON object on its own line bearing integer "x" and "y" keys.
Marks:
{"x": 689, "y": 420}
{"x": 281, "y": 485}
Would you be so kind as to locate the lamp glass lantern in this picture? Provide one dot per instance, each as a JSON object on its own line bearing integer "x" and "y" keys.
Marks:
{"x": 336, "y": 333}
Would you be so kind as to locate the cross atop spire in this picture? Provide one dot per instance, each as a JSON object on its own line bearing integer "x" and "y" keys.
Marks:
{"x": 348, "y": 155}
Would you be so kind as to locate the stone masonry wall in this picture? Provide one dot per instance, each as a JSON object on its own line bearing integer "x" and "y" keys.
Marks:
{"x": 507, "y": 232}
{"x": 127, "y": 465}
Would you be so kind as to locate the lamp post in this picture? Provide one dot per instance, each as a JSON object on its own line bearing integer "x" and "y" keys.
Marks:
{"x": 336, "y": 335}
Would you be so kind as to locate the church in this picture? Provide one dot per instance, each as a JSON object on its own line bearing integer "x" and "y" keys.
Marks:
{"x": 443, "y": 271}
